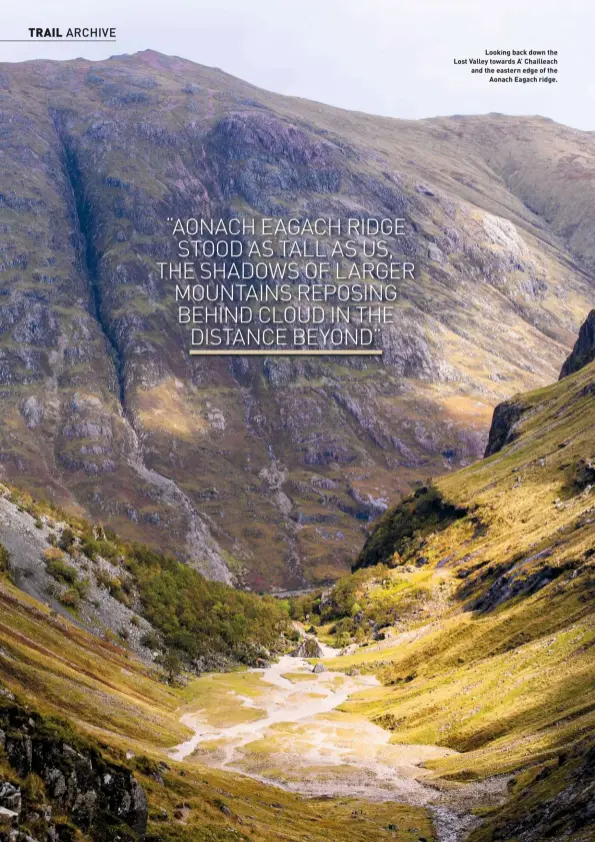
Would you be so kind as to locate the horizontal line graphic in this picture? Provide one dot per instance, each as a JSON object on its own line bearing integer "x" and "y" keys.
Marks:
{"x": 284, "y": 353}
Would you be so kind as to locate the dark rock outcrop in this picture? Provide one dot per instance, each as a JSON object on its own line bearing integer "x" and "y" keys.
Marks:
{"x": 584, "y": 474}
{"x": 583, "y": 352}
{"x": 506, "y": 416}
{"x": 104, "y": 799}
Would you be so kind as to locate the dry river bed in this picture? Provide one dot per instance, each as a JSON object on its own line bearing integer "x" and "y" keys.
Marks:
{"x": 281, "y": 726}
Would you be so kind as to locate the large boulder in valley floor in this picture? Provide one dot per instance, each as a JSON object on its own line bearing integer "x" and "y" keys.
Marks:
{"x": 308, "y": 648}
{"x": 319, "y": 668}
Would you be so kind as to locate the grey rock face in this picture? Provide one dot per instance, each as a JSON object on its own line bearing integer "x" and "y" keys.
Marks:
{"x": 32, "y": 412}
{"x": 435, "y": 254}
{"x": 584, "y": 349}
{"x": 506, "y": 415}
{"x": 78, "y": 780}
{"x": 10, "y": 796}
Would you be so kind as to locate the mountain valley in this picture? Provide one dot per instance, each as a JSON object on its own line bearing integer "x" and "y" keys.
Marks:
{"x": 311, "y": 599}
{"x": 457, "y": 704}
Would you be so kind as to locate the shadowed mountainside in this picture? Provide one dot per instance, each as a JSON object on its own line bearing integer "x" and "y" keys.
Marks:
{"x": 264, "y": 471}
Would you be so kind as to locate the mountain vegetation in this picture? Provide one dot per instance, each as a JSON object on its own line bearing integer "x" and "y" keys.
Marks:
{"x": 85, "y": 729}
{"x": 140, "y": 484}
{"x": 148, "y": 599}
{"x": 474, "y": 607}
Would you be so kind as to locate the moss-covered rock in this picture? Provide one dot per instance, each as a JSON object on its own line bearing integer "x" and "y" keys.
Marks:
{"x": 99, "y": 796}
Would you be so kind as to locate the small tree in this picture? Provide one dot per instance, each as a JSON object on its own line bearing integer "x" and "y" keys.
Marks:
{"x": 342, "y": 639}
{"x": 172, "y": 665}
{"x": 360, "y": 635}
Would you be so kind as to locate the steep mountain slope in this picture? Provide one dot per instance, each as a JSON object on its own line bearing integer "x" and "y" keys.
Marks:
{"x": 264, "y": 471}
{"x": 475, "y": 599}
{"x": 158, "y": 606}
{"x": 478, "y": 620}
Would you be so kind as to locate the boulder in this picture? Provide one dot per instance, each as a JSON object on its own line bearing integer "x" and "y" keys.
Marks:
{"x": 319, "y": 668}
{"x": 8, "y": 819}
{"x": 308, "y": 648}
{"x": 584, "y": 474}
{"x": 10, "y": 797}
{"x": 504, "y": 422}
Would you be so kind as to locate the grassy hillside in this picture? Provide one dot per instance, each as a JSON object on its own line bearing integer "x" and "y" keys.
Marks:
{"x": 472, "y": 601}
{"x": 483, "y": 589}
{"x": 97, "y": 697}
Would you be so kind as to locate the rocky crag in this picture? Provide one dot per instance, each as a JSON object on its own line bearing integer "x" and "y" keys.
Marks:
{"x": 80, "y": 789}
{"x": 584, "y": 348}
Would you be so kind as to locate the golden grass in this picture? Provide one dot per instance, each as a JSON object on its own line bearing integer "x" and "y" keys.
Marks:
{"x": 110, "y": 696}
{"x": 515, "y": 683}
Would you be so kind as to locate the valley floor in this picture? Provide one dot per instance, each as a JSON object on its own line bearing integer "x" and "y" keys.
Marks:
{"x": 116, "y": 702}
{"x": 284, "y": 726}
